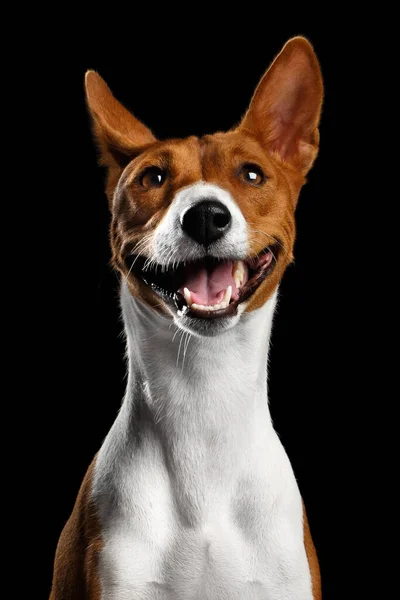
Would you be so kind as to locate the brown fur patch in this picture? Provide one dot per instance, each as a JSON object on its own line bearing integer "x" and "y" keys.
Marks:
{"x": 312, "y": 558}
{"x": 75, "y": 567}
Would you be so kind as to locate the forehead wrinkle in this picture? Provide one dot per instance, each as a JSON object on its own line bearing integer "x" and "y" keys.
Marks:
{"x": 201, "y": 145}
{"x": 188, "y": 153}
{"x": 186, "y": 164}
{"x": 213, "y": 155}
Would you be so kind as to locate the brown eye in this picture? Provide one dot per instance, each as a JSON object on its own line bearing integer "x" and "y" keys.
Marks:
{"x": 153, "y": 177}
{"x": 252, "y": 174}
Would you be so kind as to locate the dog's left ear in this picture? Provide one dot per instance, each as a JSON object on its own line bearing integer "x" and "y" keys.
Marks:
{"x": 285, "y": 110}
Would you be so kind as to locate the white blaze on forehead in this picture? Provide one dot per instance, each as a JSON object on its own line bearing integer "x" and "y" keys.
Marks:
{"x": 171, "y": 243}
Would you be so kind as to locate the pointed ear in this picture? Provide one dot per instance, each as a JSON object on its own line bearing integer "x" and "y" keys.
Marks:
{"x": 118, "y": 133}
{"x": 285, "y": 110}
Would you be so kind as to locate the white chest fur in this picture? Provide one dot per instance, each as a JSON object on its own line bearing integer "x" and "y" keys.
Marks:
{"x": 196, "y": 495}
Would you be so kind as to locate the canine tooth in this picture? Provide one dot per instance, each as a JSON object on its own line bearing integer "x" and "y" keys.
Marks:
{"x": 188, "y": 296}
{"x": 238, "y": 272}
{"x": 228, "y": 295}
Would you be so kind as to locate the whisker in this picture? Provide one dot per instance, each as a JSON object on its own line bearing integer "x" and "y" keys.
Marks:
{"x": 140, "y": 244}
{"x": 188, "y": 338}
{"x": 269, "y": 236}
{"x": 179, "y": 349}
{"x": 138, "y": 247}
{"x": 175, "y": 334}
{"x": 131, "y": 267}
{"x": 169, "y": 258}
{"x": 149, "y": 262}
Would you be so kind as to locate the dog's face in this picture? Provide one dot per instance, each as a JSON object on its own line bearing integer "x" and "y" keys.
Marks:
{"x": 203, "y": 228}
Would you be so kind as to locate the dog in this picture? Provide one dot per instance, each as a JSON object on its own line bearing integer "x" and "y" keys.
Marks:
{"x": 192, "y": 495}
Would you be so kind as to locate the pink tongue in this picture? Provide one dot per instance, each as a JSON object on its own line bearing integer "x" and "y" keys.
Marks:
{"x": 208, "y": 285}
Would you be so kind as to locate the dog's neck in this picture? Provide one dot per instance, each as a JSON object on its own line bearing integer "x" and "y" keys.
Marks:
{"x": 202, "y": 400}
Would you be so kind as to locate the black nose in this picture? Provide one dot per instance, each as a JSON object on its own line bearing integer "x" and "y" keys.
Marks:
{"x": 206, "y": 221}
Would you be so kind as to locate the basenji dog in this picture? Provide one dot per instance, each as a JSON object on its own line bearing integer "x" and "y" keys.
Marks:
{"x": 192, "y": 495}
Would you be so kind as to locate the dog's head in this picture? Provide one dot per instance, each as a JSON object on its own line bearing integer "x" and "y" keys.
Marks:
{"x": 203, "y": 228}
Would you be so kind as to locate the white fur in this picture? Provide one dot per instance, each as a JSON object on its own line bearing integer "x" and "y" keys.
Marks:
{"x": 196, "y": 496}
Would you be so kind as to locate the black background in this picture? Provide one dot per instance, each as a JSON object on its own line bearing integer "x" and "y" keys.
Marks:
{"x": 179, "y": 82}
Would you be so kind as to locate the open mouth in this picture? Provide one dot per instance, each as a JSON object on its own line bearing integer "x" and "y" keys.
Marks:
{"x": 207, "y": 288}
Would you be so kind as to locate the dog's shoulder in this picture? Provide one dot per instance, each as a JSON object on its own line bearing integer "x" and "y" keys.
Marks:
{"x": 312, "y": 558}
{"x": 73, "y": 578}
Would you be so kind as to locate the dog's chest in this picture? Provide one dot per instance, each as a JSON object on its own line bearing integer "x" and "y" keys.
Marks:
{"x": 235, "y": 542}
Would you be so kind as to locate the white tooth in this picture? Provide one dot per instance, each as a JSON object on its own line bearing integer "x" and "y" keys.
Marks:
{"x": 202, "y": 306}
{"x": 238, "y": 272}
{"x": 218, "y": 306}
{"x": 198, "y": 306}
{"x": 223, "y": 304}
{"x": 228, "y": 294}
{"x": 188, "y": 296}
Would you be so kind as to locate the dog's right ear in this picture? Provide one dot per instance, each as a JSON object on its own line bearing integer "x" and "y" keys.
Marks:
{"x": 118, "y": 133}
